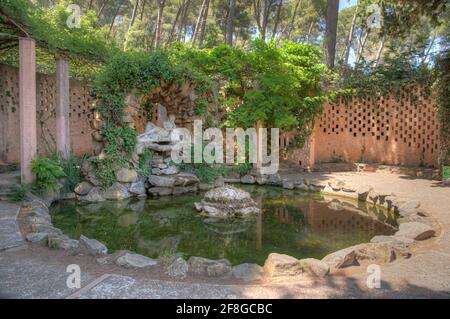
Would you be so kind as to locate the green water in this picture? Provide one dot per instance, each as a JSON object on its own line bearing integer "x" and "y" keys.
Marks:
{"x": 294, "y": 223}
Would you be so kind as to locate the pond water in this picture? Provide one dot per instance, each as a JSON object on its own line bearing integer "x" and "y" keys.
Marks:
{"x": 292, "y": 222}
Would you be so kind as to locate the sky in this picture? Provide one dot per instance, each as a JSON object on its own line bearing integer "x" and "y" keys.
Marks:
{"x": 346, "y": 3}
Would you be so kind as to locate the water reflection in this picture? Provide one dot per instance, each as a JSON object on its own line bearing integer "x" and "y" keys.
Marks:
{"x": 299, "y": 224}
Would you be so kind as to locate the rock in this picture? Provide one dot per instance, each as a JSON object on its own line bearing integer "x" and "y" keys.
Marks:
{"x": 302, "y": 187}
{"x": 83, "y": 188}
{"x": 126, "y": 175}
{"x": 205, "y": 186}
{"x": 409, "y": 208}
{"x": 138, "y": 188}
{"x": 95, "y": 195}
{"x": 336, "y": 185}
{"x": 208, "y": 267}
{"x": 278, "y": 265}
{"x": 274, "y": 179}
{"x": 392, "y": 239}
{"x": 93, "y": 246}
{"x": 160, "y": 191}
{"x": 172, "y": 170}
{"x": 184, "y": 190}
{"x": 37, "y": 238}
{"x": 62, "y": 242}
{"x": 315, "y": 267}
{"x": 186, "y": 179}
{"x": 415, "y": 230}
{"x": 375, "y": 252}
{"x": 162, "y": 181}
{"x": 178, "y": 268}
{"x": 219, "y": 182}
{"x": 227, "y": 201}
{"x": 363, "y": 191}
{"x": 131, "y": 260}
{"x": 247, "y": 179}
{"x": 341, "y": 258}
{"x": 288, "y": 185}
{"x": 261, "y": 179}
{"x": 117, "y": 192}
{"x": 248, "y": 272}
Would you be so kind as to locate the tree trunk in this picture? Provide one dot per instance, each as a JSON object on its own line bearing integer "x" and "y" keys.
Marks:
{"x": 261, "y": 13}
{"x": 142, "y": 10}
{"x": 425, "y": 57}
{"x": 133, "y": 14}
{"x": 331, "y": 29}
{"x": 198, "y": 23}
{"x": 201, "y": 23}
{"x": 183, "y": 24}
{"x": 114, "y": 18}
{"x": 90, "y": 4}
{"x": 160, "y": 4}
{"x": 203, "y": 26}
{"x": 291, "y": 25}
{"x": 230, "y": 22}
{"x": 362, "y": 43}
{"x": 380, "y": 51}
{"x": 175, "y": 22}
{"x": 101, "y": 8}
{"x": 349, "y": 41}
{"x": 277, "y": 19}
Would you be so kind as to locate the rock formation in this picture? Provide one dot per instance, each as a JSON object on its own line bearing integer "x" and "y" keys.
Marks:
{"x": 227, "y": 201}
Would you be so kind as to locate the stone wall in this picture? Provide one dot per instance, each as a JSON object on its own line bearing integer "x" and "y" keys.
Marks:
{"x": 391, "y": 129}
{"x": 81, "y": 113}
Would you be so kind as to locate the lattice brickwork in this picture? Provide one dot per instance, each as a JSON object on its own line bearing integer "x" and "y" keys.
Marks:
{"x": 392, "y": 130}
{"x": 80, "y": 115}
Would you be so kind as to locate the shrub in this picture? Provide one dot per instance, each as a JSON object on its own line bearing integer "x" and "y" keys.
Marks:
{"x": 47, "y": 173}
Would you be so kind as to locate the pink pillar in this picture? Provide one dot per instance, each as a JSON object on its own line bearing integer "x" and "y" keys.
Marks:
{"x": 27, "y": 104}
{"x": 62, "y": 107}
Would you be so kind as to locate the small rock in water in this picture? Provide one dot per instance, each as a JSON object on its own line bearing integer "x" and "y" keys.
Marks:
{"x": 227, "y": 201}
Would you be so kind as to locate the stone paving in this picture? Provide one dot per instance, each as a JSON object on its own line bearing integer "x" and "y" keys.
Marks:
{"x": 26, "y": 273}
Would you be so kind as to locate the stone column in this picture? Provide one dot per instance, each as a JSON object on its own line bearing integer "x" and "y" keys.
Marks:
{"x": 27, "y": 105}
{"x": 62, "y": 107}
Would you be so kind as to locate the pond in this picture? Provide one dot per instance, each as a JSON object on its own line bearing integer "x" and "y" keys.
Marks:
{"x": 296, "y": 223}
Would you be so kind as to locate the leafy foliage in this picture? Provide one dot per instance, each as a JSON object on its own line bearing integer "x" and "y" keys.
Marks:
{"x": 47, "y": 173}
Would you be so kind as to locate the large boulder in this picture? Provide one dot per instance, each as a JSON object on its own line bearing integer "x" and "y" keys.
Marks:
{"x": 208, "y": 267}
{"x": 341, "y": 258}
{"x": 93, "y": 246}
{"x": 315, "y": 267}
{"x": 227, "y": 201}
{"x": 117, "y": 192}
{"x": 126, "y": 175}
{"x": 96, "y": 194}
{"x": 138, "y": 188}
{"x": 162, "y": 181}
{"x": 186, "y": 179}
{"x": 415, "y": 230}
{"x": 279, "y": 265}
{"x": 131, "y": 260}
{"x": 248, "y": 272}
